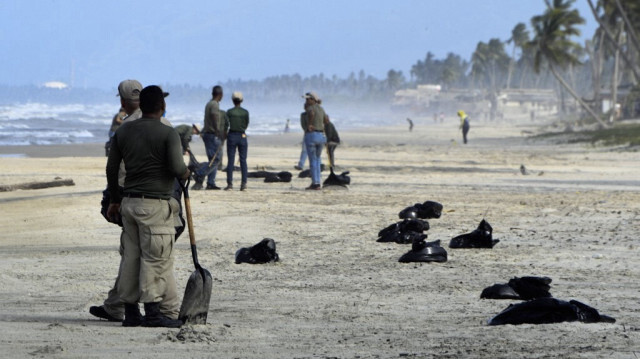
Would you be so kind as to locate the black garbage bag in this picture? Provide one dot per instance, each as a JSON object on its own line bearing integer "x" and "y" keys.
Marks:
{"x": 525, "y": 288}
{"x": 304, "y": 174}
{"x": 481, "y": 237}
{"x": 422, "y": 251}
{"x": 337, "y": 180}
{"x": 263, "y": 252}
{"x": 283, "y": 176}
{"x": 401, "y": 237}
{"x": 426, "y": 210}
{"x": 549, "y": 310}
{"x": 407, "y": 224}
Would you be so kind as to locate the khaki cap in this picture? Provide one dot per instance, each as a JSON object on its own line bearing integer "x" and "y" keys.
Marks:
{"x": 237, "y": 95}
{"x": 130, "y": 90}
{"x": 312, "y": 95}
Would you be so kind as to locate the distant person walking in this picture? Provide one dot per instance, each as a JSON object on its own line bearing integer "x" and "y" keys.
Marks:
{"x": 237, "y": 139}
{"x": 186, "y": 132}
{"x": 464, "y": 125}
{"x": 314, "y": 137}
{"x": 410, "y": 124}
{"x": 286, "y": 126}
{"x": 212, "y": 137}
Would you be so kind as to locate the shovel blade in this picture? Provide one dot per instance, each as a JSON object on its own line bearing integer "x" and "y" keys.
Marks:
{"x": 197, "y": 294}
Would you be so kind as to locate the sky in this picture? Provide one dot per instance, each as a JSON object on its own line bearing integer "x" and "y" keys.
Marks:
{"x": 98, "y": 43}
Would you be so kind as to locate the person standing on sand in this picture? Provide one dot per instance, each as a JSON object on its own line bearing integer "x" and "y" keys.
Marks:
{"x": 333, "y": 140}
{"x": 186, "y": 132}
{"x": 314, "y": 137}
{"x": 237, "y": 139}
{"x": 115, "y": 123}
{"x": 153, "y": 159}
{"x": 410, "y": 124}
{"x": 464, "y": 125}
{"x": 212, "y": 137}
{"x": 303, "y": 151}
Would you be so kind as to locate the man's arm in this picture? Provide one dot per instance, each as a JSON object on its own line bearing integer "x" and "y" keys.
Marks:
{"x": 113, "y": 166}
{"x": 174, "y": 156}
{"x": 215, "y": 118}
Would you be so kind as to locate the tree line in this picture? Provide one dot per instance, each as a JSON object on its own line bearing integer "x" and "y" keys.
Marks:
{"x": 543, "y": 54}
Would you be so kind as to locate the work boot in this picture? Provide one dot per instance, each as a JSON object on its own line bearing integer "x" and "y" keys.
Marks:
{"x": 212, "y": 187}
{"x": 132, "y": 316}
{"x": 196, "y": 186}
{"x": 100, "y": 312}
{"x": 229, "y": 187}
{"x": 243, "y": 186}
{"x": 154, "y": 318}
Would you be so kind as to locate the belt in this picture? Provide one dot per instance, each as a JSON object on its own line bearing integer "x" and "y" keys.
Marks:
{"x": 318, "y": 131}
{"x": 242, "y": 132}
{"x": 138, "y": 195}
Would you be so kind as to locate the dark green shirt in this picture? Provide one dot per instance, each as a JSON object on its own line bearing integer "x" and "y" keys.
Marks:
{"x": 238, "y": 119}
{"x": 224, "y": 124}
{"x": 185, "y": 132}
{"x": 331, "y": 133}
{"x": 212, "y": 118}
{"x": 152, "y": 156}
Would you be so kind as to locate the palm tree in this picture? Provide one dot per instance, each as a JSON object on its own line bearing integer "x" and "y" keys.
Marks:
{"x": 490, "y": 61}
{"x": 552, "y": 42}
{"x": 519, "y": 37}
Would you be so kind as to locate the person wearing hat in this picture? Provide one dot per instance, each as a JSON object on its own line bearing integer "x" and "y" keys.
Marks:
{"x": 113, "y": 306}
{"x": 212, "y": 136}
{"x": 464, "y": 125}
{"x": 314, "y": 138}
{"x": 186, "y": 132}
{"x": 152, "y": 154}
{"x": 237, "y": 139}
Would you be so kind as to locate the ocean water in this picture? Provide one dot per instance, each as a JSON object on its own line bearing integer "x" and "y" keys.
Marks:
{"x": 48, "y": 124}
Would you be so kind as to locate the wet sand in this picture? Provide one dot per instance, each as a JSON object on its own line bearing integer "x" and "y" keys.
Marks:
{"x": 336, "y": 292}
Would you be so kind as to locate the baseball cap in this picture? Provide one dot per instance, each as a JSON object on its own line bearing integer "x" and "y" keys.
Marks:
{"x": 237, "y": 95}
{"x": 130, "y": 90}
{"x": 312, "y": 95}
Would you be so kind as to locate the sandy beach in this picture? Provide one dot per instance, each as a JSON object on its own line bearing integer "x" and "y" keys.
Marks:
{"x": 336, "y": 292}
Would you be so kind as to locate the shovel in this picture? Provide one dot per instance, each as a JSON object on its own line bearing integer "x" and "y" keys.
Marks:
{"x": 197, "y": 294}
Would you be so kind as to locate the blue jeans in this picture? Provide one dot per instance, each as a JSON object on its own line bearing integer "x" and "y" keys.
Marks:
{"x": 314, "y": 141}
{"x": 303, "y": 155}
{"x": 211, "y": 144}
{"x": 236, "y": 140}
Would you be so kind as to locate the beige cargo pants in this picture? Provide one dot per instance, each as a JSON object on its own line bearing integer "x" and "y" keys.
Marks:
{"x": 146, "y": 269}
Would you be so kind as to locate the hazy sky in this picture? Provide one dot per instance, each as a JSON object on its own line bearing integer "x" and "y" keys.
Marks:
{"x": 204, "y": 42}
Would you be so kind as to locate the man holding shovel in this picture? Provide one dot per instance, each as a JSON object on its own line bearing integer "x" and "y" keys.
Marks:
{"x": 152, "y": 154}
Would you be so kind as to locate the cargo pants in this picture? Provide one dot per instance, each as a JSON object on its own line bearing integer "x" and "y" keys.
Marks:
{"x": 146, "y": 270}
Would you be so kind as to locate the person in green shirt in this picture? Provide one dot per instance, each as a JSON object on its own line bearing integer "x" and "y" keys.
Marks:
{"x": 237, "y": 139}
{"x": 153, "y": 160}
{"x": 186, "y": 132}
{"x": 212, "y": 138}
